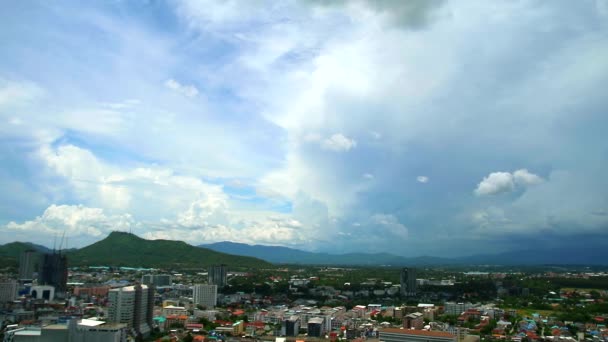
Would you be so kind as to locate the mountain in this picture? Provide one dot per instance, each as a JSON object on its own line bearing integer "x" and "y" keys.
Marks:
{"x": 126, "y": 249}
{"x": 14, "y": 249}
{"x": 569, "y": 255}
{"x": 10, "y": 252}
{"x": 286, "y": 255}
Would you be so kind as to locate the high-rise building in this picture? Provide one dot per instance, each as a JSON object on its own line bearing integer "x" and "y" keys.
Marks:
{"x": 157, "y": 279}
{"x": 8, "y": 291}
{"x": 291, "y": 326}
{"x": 54, "y": 272}
{"x": 217, "y": 275}
{"x": 315, "y": 327}
{"x": 133, "y": 305}
{"x": 205, "y": 295}
{"x": 27, "y": 264}
{"x": 408, "y": 282}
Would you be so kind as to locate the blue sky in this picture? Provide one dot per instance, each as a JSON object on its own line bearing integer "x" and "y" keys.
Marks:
{"x": 441, "y": 128}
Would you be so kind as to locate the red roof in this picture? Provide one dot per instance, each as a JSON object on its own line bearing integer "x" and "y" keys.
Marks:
{"x": 416, "y": 332}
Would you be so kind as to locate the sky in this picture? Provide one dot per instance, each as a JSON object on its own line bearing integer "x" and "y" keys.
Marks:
{"x": 444, "y": 128}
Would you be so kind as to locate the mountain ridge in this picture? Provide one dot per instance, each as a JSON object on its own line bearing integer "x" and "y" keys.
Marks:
{"x": 126, "y": 249}
{"x": 579, "y": 255}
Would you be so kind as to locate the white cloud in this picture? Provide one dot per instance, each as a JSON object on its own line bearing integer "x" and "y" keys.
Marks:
{"x": 186, "y": 90}
{"x": 368, "y": 176}
{"x": 495, "y": 183}
{"x": 389, "y": 224}
{"x": 524, "y": 177}
{"x": 338, "y": 143}
{"x": 18, "y": 93}
{"x": 75, "y": 220}
{"x": 500, "y": 182}
{"x": 422, "y": 179}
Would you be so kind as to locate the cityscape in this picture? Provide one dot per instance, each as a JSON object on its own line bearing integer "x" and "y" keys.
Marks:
{"x": 304, "y": 171}
{"x": 44, "y": 298}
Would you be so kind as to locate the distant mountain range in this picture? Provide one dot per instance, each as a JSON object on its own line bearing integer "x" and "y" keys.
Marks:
{"x": 540, "y": 256}
{"x": 125, "y": 249}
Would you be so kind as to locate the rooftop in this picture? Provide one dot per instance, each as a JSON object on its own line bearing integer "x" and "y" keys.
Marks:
{"x": 416, "y": 332}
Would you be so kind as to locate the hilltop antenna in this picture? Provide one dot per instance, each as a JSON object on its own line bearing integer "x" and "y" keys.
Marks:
{"x": 54, "y": 242}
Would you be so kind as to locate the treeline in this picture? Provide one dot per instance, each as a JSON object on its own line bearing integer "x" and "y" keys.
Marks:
{"x": 582, "y": 283}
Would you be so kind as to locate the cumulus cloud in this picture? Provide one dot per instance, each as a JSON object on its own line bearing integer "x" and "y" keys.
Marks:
{"x": 74, "y": 220}
{"x": 422, "y": 179}
{"x": 389, "y": 224}
{"x": 338, "y": 143}
{"x": 186, "y": 90}
{"x": 368, "y": 176}
{"x": 500, "y": 182}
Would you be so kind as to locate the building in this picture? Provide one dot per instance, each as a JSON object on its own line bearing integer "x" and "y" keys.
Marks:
{"x": 8, "y": 291}
{"x": 28, "y": 261}
{"x": 89, "y": 291}
{"x": 404, "y": 335}
{"x": 291, "y": 326}
{"x": 85, "y": 330}
{"x": 88, "y": 330}
{"x": 157, "y": 279}
{"x": 132, "y": 305}
{"x": 413, "y": 321}
{"x": 171, "y": 310}
{"x": 53, "y": 271}
{"x": 45, "y": 292}
{"x": 217, "y": 276}
{"x": 453, "y": 308}
{"x": 315, "y": 327}
{"x": 408, "y": 282}
{"x": 236, "y": 329}
{"x": 205, "y": 295}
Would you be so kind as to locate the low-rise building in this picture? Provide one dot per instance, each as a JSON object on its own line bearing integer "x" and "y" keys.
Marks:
{"x": 405, "y": 335}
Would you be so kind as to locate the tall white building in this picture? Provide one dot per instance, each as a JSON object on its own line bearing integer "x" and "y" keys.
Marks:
{"x": 205, "y": 295}
{"x": 134, "y": 306}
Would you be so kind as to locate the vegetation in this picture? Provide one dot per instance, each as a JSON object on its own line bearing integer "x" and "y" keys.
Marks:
{"x": 125, "y": 249}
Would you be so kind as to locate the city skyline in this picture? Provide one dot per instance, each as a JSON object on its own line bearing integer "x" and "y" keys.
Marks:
{"x": 419, "y": 128}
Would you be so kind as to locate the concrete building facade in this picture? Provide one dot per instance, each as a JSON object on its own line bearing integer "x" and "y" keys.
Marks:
{"x": 8, "y": 291}
{"x": 217, "y": 276}
{"x": 132, "y": 305}
{"x": 408, "y": 282}
{"x": 157, "y": 279}
{"x": 205, "y": 295}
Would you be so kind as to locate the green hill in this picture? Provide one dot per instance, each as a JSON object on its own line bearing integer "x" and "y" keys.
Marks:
{"x": 14, "y": 249}
{"x": 10, "y": 252}
{"x": 125, "y": 249}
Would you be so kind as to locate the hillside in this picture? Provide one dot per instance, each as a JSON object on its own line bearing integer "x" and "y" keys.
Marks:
{"x": 14, "y": 249}
{"x": 125, "y": 249}
{"x": 10, "y": 252}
